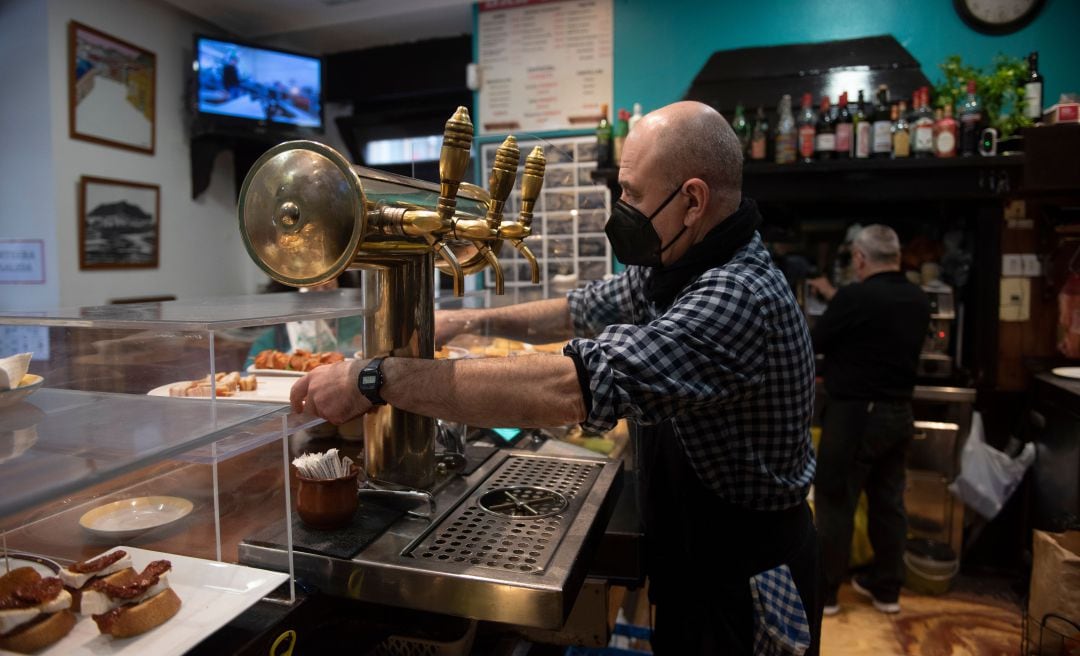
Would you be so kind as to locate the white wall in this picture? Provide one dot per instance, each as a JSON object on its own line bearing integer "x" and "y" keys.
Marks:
{"x": 26, "y": 172}
{"x": 200, "y": 252}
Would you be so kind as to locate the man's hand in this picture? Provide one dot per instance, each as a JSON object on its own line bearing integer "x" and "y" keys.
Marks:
{"x": 449, "y": 324}
{"x": 822, "y": 286}
{"x": 330, "y": 392}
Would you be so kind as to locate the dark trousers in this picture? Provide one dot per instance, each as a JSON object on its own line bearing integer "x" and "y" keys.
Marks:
{"x": 863, "y": 447}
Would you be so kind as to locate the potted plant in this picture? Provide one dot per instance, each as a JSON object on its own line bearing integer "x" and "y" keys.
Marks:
{"x": 1001, "y": 90}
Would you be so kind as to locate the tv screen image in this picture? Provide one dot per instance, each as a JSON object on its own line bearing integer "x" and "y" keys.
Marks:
{"x": 259, "y": 84}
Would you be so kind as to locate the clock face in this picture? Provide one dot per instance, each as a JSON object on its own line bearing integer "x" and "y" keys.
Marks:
{"x": 998, "y": 16}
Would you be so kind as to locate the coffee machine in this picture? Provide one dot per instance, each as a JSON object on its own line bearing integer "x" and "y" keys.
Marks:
{"x": 934, "y": 360}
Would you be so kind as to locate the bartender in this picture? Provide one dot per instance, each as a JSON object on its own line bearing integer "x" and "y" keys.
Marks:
{"x": 701, "y": 345}
{"x": 871, "y": 335}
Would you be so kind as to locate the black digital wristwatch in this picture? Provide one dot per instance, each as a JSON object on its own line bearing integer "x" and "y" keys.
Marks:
{"x": 370, "y": 381}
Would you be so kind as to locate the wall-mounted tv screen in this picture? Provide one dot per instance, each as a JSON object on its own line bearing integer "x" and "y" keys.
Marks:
{"x": 246, "y": 82}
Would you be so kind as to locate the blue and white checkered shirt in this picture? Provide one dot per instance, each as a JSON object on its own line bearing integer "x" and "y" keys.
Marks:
{"x": 730, "y": 363}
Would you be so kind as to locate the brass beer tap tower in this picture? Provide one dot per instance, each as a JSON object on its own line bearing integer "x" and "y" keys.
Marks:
{"x": 307, "y": 214}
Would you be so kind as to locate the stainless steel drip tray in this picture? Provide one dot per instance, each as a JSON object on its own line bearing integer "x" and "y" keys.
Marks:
{"x": 509, "y": 543}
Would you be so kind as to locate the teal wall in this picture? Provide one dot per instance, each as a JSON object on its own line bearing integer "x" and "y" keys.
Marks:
{"x": 661, "y": 45}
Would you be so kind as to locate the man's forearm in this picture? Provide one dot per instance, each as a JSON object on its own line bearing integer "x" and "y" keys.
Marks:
{"x": 537, "y": 322}
{"x": 532, "y": 391}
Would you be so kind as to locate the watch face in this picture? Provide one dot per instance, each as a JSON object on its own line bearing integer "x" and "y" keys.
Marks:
{"x": 998, "y": 15}
{"x": 369, "y": 379}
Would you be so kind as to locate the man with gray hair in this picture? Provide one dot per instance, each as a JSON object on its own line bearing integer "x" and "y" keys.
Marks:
{"x": 871, "y": 335}
{"x": 701, "y": 346}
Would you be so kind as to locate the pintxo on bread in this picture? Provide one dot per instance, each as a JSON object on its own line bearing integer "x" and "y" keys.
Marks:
{"x": 224, "y": 384}
{"x": 298, "y": 360}
{"x": 78, "y": 577}
{"x": 126, "y": 604}
{"x": 34, "y": 611}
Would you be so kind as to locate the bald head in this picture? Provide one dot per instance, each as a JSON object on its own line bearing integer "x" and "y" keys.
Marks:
{"x": 689, "y": 139}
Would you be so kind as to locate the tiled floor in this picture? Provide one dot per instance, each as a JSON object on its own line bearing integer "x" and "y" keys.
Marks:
{"x": 957, "y": 624}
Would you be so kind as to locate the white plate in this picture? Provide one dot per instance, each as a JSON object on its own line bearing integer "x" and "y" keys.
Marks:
{"x": 271, "y": 389}
{"x": 44, "y": 566}
{"x": 127, "y": 518}
{"x": 1067, "y": 372}
{"x": 274, "y": 372}
{"x": 27, "y": 386}
{"x": 281, "y": 372}
{"x": 211, "y": 595}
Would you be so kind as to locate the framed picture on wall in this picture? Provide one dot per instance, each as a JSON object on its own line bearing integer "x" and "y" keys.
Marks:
{"x": 110, "y": 90}
{"x": 118, "y": 224}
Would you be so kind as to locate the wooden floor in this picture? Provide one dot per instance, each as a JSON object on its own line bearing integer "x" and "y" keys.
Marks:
{"x": 957, "y": 624}
{"x": 972, "y": 620}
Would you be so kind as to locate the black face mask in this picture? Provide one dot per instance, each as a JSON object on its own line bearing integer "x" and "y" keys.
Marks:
{"x": 633, "y": 237}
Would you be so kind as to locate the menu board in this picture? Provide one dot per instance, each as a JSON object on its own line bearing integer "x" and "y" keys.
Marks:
{"x": 544, "y": 64}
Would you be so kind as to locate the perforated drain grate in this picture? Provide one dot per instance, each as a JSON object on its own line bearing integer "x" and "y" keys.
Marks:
{"x": 523, "y": 502}
{"x": 484, "y": 531}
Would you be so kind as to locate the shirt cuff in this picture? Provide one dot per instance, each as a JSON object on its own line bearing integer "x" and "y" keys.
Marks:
{"x": 582, "y": 378}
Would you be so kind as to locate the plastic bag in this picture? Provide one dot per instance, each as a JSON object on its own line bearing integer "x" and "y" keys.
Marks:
{"x": 988, "y": 477}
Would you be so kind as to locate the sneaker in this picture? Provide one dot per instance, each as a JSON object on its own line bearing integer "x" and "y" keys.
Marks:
{"x": 889, "y": 607}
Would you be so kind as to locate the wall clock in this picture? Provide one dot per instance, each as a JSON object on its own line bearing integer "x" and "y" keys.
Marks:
{"x": 998, "y": 16}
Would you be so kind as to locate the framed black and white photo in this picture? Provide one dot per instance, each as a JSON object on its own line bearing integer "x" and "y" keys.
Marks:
{"x": 111, "y": 87}
{"x": 118, "y": 224}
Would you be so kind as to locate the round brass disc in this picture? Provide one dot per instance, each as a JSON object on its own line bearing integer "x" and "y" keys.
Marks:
{"x": 302, "y": 213}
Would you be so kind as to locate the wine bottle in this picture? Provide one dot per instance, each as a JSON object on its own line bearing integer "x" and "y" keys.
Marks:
{"x": 901, "y": 137}
{"x": 807, "y": 128}
{"x": 883, "y": 123}
{"x": 618, "y": 135}
{"x": 785, "y": 132}
{"x": 1033, "y": 90}
{"x": 923, "y": 137}
{"x": 863, "y": 129}
{"x": 825, "y": 141}
{"x": 843, "y": 129}
{"x": 742, "y": 130}
{"x": 945, "y": 134}
{"x": 971, "y": 122}
{"x": 759, "y": 138}
{"x": 604, "y": 151}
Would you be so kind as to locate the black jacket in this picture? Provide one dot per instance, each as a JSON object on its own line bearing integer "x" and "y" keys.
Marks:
{"x": 871, "y": 335}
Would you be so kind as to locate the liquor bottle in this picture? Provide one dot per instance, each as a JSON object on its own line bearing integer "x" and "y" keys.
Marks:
{"x": 882, "y": 144}
{"x": 604, "y": 152}
{"x": 843, "y": 129}
{"x": 742, "y": 130}
{"x": 635, "y": 117}
{"x": 825, "y": 141}
{"x": 807, "y": 128}
{"x": 1033, "y": 90}
{"x": 863, "y": 131}
{"x": 785, "y": 132}
{"x": 901, "y": 137}
{"x": 945, "y": 134}
{"x": 618, "y": 135}
{"x": 971, "y": 122}
{"x": 759, "y": 138}
{"x": 923, "y": 137}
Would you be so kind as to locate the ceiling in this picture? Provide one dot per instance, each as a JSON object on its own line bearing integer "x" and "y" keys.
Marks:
{"x": 328, "y": 26}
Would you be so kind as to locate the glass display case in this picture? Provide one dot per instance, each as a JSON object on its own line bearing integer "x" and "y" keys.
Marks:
{"x": 123, "y": 441}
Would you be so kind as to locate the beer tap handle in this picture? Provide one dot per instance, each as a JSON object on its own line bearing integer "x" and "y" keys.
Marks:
{"x": 531, "y": 183}
{"x": 453, "y": 161}
{"x": 528, "y": 255}
{"x": 501, "y": 182}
